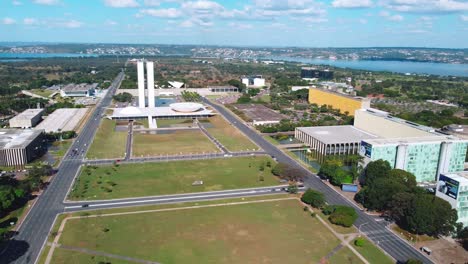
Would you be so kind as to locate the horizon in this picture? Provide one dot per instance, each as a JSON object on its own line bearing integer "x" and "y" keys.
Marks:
{"x": 246, "y": 23}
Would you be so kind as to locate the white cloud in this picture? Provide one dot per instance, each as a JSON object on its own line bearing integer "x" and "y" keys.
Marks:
{"x": 388, "y": 16}
{"x": 8, "y": 21}
{"x": 121, "y": 3}
{"x": 273, "y": 8}
{"x": 30, "y": 21}
{"x": 240, "y": 25}
{"x": 152, "y": 2}
{"x": 464, "y": 18}
{"x": 426, "y": 6}
{"x": 314, "y": 20}
{"x": 363, "y": 21}
{"x": 70, "y": 24}
{"x": 16, "y": 3}
{"x": 164, "y": 13}
{"x": 111, "y": 23}
{"x": 352, "y": 3}
{"x": 46, "y": 2}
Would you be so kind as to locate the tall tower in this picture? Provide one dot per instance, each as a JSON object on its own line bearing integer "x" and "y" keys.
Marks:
{"x": 150, "y": 82}
{"x": 141, "y": 84}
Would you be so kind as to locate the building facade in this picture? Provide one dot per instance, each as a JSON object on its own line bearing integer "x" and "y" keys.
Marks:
{"x": 453, "y": 187}
{"x": 27, "y": 119}
{"x": 425, "y": 157}
{"x": 78, "y": 90}
{"x": 314, "y": 73}
{"x": 18, "y": 147}
{"x": 344, "y": 103}
{"x": 253, "y": 81}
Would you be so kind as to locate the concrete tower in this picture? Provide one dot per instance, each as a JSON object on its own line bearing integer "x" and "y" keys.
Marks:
{"x": 150, "y": 81}
{"x": 141, "y": 84}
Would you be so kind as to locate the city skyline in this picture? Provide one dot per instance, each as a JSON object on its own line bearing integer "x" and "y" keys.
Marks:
{"x": 304, "y": 23}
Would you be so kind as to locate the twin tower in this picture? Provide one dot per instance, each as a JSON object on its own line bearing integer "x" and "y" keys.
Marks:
{"x": 149, "y": 81}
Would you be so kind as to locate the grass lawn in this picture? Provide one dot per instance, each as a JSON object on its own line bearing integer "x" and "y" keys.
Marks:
{"x": 337, "y": 228}
{"x": 59, "y": 148}
{"x": 108, "y": 143}
{"x": 373, "y": 254}
{"x": 273, "y": 231}
{"x": 346, "y": 256}
{"x": 72, "y": 257}
{"x": 228, "y": 135}
{"x": 133, "y": 180}
{"x": 180, "y": 141}
{"x": 42, "y": 92}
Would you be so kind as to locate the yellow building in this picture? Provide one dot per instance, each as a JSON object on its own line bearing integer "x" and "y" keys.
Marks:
{"x": 343, "y": 102}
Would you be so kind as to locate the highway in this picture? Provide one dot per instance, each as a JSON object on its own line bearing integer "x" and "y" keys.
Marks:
{"x": 26, "y": 245}
{"x": 376, "y": 231}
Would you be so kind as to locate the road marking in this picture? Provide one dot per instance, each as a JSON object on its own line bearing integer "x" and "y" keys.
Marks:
{"x": 167, "y": 199}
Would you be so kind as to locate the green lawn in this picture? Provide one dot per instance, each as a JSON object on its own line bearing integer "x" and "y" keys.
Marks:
{"x": 373, "y": 254}
{"x": 108, "y": 143}
{"x": 174, "y": 122}
{"x": 42, "y": 92}
{"x": 180, "y": 141}
{"x": 345, "y": 256}
{"x": 145, "y": 179}
{"x": 268, "y": 232}
{"x": 73, "y": 257}
{"x": 228, "y": 135}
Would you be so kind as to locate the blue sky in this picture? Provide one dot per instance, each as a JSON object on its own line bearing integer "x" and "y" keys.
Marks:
{"x": 307, "y": 23}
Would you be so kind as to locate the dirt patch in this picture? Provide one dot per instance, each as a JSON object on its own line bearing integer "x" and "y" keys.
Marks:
{"x": 445, "y": 251}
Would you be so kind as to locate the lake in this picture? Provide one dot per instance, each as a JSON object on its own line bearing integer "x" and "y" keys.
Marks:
{"x": 391, "y": 66}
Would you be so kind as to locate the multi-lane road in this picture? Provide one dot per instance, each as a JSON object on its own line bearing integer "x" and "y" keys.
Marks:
{"x": 32, "y": 235}
{"x": 375, "y": 230}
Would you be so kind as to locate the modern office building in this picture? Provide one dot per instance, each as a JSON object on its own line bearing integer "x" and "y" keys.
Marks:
{"x": 425, "y": 157}
{"x": 332, "y": 140}
{"x": 78, "y": 90}
{"x": 345, "y": 103}
{"x": 253, "y": 81}
{"x": 314, "y": 73}
{"x": 20, "y": 146}
{"x": 406, "y": 145}
{"x": 453, "y": 187}
{"x": 27, "y": 119}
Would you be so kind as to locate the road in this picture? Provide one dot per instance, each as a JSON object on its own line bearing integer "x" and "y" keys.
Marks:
{"x": 26, "y": 245}
{"x": 376, "y": 231}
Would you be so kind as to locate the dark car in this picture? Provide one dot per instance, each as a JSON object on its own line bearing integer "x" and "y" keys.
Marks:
{"x": 85, "y": 205}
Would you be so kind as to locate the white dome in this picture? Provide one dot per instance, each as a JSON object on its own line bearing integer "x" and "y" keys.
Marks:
{"x": 186, "y": 107}
{"x": 130, "y": 110}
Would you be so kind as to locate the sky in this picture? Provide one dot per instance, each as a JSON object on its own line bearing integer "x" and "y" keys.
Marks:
{"x": 272, "y": 23}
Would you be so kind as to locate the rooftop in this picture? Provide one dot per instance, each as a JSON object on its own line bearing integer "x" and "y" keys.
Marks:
{"x": 17, "y": 138}
{"x": 357, "y": 98}
{"x": 387, "y": 116}
{"x": 413, "y": 140}
{"x": 337, "y": 134}
{"x": 82, "y": 87}
{"x": 461, "y": 176}
{"x": 28, "y": 114}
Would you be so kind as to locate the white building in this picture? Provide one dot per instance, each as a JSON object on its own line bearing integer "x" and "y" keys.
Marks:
{"x": 453, "y": 187}
{"x": 27, "y": 119}
{"x": 253, "y": 81}
{"x": 78, "y": 90}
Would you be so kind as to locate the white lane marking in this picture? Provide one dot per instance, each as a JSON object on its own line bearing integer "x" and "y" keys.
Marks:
{"x": 165, "y": 199}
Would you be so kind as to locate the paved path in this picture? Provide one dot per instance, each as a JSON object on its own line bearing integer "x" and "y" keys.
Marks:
{"x": 128, "y": 147}
{"x": 104, "y": 254}
{"x": 213, "y": 139}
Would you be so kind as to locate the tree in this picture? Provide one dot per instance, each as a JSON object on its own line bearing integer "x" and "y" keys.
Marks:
{"x": 7, "y": 197}
{"x": 376, "y": 169}
{"x": 292, "y": 188}
{"x": 359, "y": 242}
{"x": 414, "y": 261}
{"x": 288, "y": 172}
{"x": 342, "y": 215}
{"x": 313, "y": 198}
{"x": 123, "y": 97}
{"x": 238, "y": 84}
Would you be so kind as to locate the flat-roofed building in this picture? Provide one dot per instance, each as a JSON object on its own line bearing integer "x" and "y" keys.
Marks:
{"x": 27, "y": 119}
{"x": 20, "y": 146}
{"x": 425, "y": 157}
{"x": 63, "y": 119}
{"x": 314, "y": 73}
{"x": 384, "y": 125}
{"x": 253, "y": 81}
{"x": 453, "y": 187}
{"x": 78, "y": 90}
{"x": 332, "y": 140}
{"x": 343, "y": 102}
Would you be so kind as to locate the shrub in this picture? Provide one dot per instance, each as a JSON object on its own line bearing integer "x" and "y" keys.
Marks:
{"x": 343, "y": 216}
{"x": 314, "y": 198}
{"x": 359, "y": 242}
